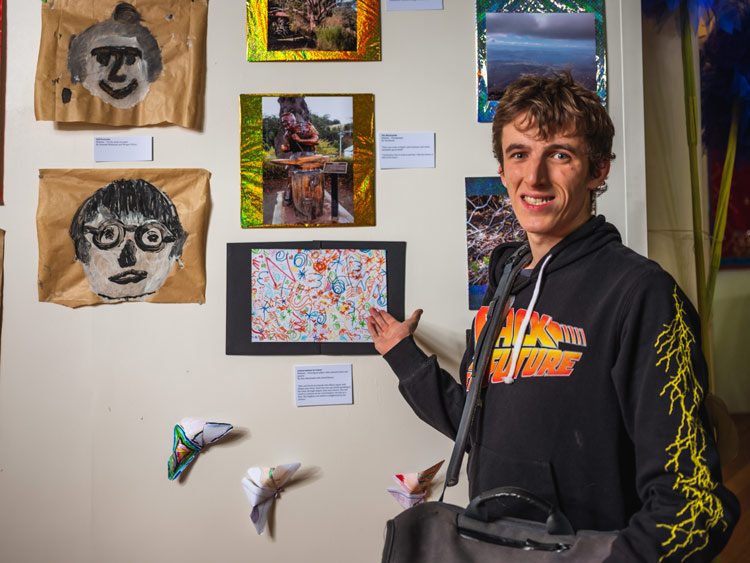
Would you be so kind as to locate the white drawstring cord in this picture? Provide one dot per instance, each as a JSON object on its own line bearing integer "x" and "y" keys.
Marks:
{"x": 524, "y": 325}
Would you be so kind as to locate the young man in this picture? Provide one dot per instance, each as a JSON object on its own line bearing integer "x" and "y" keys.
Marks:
{"x": 594, "y": 399}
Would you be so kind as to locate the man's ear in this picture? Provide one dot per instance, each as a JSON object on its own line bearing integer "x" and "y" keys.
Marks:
{"x": 597, "y": 180}
{"x": 502, "y": 174}
{"x": 604, "y": 171}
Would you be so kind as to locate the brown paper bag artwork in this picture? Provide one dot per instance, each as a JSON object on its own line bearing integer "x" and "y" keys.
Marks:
{"x": 111, "y": 236}
{"x": 114, "y": 63}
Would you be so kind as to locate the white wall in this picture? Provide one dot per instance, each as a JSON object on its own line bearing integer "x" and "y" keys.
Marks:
{"x": 670, "y": 226}
{"x": 88, "y": 397}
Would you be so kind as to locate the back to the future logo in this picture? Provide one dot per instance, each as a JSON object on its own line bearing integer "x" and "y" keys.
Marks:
{"x": 540, "y": 354}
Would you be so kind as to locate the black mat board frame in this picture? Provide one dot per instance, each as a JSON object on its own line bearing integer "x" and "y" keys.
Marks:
{"x": 239, "y": 300}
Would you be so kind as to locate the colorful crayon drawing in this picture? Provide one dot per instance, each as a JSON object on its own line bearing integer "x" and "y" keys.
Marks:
{"x": 315, "y": 295}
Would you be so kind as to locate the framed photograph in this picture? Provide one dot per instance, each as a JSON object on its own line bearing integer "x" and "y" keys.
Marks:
{"x": 111, "y": 235}
{"x": 310, "y": 297}
{"x": 489, "y": 221}
{"x": 118, "y": 63}
{"x": 307, "y": 160}
{"x": 313, "y": 30}
{"x": 517, "y": 37}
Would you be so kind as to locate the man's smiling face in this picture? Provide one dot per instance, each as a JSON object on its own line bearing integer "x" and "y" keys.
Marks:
{"x": 548, "y": 181}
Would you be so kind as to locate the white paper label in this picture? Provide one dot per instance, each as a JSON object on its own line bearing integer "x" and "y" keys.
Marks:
{"x": 392, "y": 5}
{"x": 317, "y": 385}
{"x": 407, "y": 150}
{"x": 123, "y": 149}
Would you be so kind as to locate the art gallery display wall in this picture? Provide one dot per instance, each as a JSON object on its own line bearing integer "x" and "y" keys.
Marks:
{"x": 89, "y": 396}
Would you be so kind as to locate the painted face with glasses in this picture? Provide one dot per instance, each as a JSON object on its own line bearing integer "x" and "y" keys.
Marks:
{"x": 127, "y": 237}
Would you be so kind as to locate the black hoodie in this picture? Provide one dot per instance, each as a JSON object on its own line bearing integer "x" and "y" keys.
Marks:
{"x": 605, "y": 413}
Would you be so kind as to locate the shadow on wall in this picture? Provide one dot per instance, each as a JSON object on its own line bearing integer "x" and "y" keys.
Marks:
{"x": 434, "y": 339}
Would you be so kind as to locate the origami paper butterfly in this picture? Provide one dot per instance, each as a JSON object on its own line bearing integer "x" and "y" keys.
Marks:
{"x": 191, "y": 435}
{"x": 414, "y": 486}
{"x": 262, "y": 486}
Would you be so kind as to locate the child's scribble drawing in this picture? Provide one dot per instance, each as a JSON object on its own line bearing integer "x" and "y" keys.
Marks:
{"x": 315, "y": 295}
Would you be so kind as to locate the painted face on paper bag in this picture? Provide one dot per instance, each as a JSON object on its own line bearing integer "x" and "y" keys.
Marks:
{"x": 117, "y": 73}
{"x": 127, "y": 237}
{"x": 116, "y": 60}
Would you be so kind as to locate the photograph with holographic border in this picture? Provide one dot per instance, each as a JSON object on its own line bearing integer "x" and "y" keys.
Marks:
{"x": 517, "y": 37}
{"x": 307, "y": 160}
{"x": 313, "y": 30}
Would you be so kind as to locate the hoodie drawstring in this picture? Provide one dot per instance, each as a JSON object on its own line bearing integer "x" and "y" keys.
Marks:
{"x": 517, "y": 343}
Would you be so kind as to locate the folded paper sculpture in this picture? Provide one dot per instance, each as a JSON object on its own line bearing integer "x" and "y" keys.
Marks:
{"x": 191, "y": 435}
{"x": 262, "y": 486}
{"x": 414, "y": 486}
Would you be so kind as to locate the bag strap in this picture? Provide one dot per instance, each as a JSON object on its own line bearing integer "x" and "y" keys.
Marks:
{"x": 556, "y": 522}
{"x": 497, "y": 311}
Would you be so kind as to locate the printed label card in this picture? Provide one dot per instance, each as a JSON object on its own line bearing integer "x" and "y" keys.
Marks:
{"x": 319, "y": 385}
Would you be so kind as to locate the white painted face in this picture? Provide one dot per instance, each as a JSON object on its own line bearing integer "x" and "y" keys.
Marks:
{"x": 129, "y": 258}
{"x": 116, "y": 71}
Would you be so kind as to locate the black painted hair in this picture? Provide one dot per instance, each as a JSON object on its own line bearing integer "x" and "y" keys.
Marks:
{"x": 126, "y": 13}
{"x": 125, "y": 22}
{"x": 116, "y": 201}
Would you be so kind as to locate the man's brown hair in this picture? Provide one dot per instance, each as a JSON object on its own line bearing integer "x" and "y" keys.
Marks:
{"x": 556, "y": 104}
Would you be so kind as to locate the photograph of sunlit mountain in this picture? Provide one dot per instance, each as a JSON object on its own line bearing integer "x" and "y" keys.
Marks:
{"x": 521, "y": 43}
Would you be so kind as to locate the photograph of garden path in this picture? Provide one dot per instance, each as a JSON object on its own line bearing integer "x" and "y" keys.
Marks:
{"x": 312, "y": 25}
